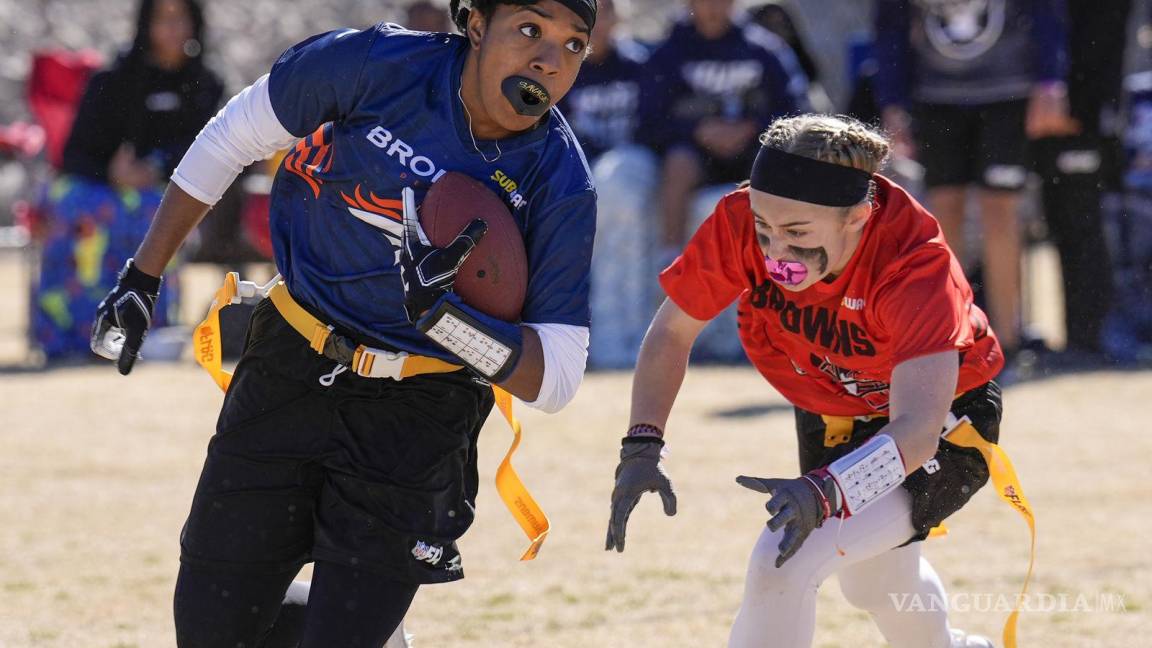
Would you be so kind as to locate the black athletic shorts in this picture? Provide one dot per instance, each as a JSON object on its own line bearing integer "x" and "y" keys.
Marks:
{"x": 368, "y": 472}
{"x": 945, "y": 483}
{"x": 961, "y": 145}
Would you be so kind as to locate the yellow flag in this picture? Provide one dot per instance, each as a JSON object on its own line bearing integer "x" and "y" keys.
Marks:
{"x": 206, "y": 337}
{"x": 515, "y": 495}
{"x": 1009, "y": 489}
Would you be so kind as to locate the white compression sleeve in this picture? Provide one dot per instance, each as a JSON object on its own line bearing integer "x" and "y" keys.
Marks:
{"x": 245, "y": 130}
{"x": 565, "y": 357}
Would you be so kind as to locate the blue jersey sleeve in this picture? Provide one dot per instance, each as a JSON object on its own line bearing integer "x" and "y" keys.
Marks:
{"x": 318, "y": 80}
{"x": 893, "y": 52}
{"x": 559, "y": 261}
{"x": 1050, "y": 35}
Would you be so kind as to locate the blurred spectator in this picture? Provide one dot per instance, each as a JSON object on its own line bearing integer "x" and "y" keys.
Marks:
{"x": 133, "y": 125}
{"x": 777, "y": 18}
{"x": 862, "y": 101}
{"x": 717, "y": 82}
{"x": 603, "y": 105}
{"x": 1127, "y": 334}
{"x": 603, "y": 110}
{"x": 1076, "y": 167}
{"x": 862, "y": 66}
{"x": 970, "y": 78}
{"x": 426, "y": 16}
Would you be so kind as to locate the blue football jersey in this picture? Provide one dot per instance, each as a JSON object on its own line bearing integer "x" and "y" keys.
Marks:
{"x": 379, "y": 110}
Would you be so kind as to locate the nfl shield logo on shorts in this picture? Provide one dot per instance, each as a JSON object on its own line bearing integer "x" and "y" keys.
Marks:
{"x": 429, "y": 553}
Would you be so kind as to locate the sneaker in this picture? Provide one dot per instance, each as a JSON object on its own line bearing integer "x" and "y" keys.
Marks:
{"x": 1020, "y": 365}
{"x": 1074, "y": 360}
{"x": 961, "y": 639}
{"x": 401, "y": 638}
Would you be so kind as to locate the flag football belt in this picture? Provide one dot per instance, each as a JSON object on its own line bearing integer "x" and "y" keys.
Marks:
{"x": 364, "y": 360}
{"x": 962, "y": 433}
{"x": 370, "y": 363}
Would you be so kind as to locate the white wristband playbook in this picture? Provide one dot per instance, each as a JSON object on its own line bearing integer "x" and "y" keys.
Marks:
{"x": 867, "y": 473}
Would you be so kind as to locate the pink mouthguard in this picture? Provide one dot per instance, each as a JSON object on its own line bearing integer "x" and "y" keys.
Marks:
{"x": 789, "y": 273}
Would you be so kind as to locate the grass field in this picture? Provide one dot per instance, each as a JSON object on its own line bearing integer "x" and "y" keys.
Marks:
{"x": 97, "y": 472}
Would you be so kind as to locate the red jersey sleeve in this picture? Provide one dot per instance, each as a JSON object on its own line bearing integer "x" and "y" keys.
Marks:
{"x": 708, "y": 276}
{"x": 924, "y": 305}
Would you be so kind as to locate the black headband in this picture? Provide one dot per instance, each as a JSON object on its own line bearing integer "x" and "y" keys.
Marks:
{"x": 802, "y": 178}
{"x": 586, "y": 9}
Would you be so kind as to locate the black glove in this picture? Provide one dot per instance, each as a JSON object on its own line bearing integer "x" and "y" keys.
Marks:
{"x": 124, "y": 316}
{"x": 428, "y": 272}
{"x": 639, "y": 472}
{"x": 798, "y": 505}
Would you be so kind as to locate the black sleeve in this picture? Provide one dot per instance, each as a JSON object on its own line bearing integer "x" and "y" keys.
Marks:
{"x": 211, "y": 99}
{"x": 203, "y": 103}
{"x": 97, "y": 130}
{"x": 1097, "y": 39}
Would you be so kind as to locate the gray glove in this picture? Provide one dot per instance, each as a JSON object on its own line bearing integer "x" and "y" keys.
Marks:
{"x": 639, "y": 472}
{"x": 798, "y": 505}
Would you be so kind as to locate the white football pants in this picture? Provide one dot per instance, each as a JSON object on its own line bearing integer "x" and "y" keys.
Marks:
{"x": 779, "y": 606}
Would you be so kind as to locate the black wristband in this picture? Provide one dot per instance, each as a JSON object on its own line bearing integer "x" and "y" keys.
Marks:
{"x": 645, "y": 429}
{"x": 133, "y": 277}
{"x": 642, "y": 439}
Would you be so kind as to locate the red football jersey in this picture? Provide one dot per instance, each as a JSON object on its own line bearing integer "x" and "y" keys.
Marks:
{"x": 831, "y": 348}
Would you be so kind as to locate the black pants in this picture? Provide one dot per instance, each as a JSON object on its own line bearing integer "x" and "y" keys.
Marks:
{"x": 373, "y": 479}
{"x": 943, "y": 485}
{"x": 1073, "y": 173}
{"x": 346, "y": 607}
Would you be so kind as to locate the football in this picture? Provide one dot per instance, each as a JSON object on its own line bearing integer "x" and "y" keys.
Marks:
{"x": 494, "y": 278}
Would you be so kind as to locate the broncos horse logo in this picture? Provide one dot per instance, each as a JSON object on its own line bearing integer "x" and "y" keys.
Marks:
{"x": 381, "y": 213}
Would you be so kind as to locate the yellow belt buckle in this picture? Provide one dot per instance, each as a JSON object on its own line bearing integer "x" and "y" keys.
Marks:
{"x": 837, "y": 430}
{"x": 362, "y": 361}
{"x": 320, "y": 334}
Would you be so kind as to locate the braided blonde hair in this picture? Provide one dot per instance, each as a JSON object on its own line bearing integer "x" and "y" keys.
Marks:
{"x": 838, "y": 139}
